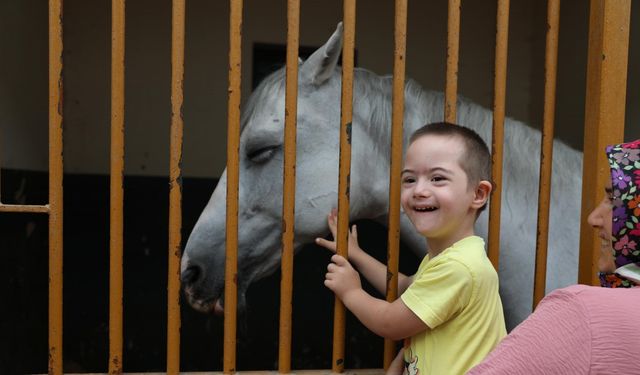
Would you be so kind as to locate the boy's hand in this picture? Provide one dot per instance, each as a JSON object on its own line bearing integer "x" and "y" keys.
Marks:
{"x": 341, "y": 278}
{"x": 332, "y": 220}
{"x": 397, "y": 365}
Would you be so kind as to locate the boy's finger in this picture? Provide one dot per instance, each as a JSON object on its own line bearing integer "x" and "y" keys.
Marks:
{"x": 338, "y": 259}
{"x": 330, "y": 245}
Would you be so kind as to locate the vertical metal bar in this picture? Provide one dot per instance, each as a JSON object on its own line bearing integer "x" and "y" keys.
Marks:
{"x": 233, "y": 141}
{"x": 604, "y": 115}
{"x": 344, "y": 179}
{"x": 117, "y": 191}
{"x": 393, "y": 237}
{"x": 453, "y": 41}
{"x": 499, "y": 88}
{"x": 175, "y": 186}
{"x": 546, "y": 149}
{"x": 289, "y": 185}
{"x": 55, "y": 187}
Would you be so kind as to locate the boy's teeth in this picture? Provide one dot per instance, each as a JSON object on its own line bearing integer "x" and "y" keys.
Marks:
{"x": 423, "y": 209}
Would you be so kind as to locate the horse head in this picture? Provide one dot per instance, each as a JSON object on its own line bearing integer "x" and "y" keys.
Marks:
{"x": 260, "y": 183}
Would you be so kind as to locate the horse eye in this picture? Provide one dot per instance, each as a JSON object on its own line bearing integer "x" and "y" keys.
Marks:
{"x": 261, "y": 155}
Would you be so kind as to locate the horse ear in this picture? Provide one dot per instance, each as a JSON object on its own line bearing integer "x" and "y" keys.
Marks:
{"x": 320, "y": 65}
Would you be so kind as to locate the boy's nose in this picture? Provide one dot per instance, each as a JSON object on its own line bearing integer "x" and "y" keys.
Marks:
{"x": 421, "y": 190}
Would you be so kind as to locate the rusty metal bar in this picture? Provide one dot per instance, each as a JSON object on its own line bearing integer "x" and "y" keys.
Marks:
{"x": 546, "y": 149}
{"x": 344, "y": 179}
{"x": 41, "y": 209}
{"x": 233, "y": 141}
{"x": 604, "y": 115}
{"x": 393, "y": 236}
{"x": 117, "y": 190}
{"x": 175, "y": 186}
{"x": 55, "y": 187}
{"x": 499, "y": 89}
{"x": 453, "y": 42}
{"x": 289, "y": 185}
{"x": 297, "y": 372}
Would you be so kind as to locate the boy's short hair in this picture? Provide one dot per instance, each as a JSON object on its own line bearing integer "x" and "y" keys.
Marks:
{"x": 477, "y": 160}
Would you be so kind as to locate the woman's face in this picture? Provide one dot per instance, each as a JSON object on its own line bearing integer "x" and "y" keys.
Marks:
{"x": 601, "y": 219}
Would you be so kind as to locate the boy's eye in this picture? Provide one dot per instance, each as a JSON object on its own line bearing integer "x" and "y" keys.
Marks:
{"x": 408, "y": 180}
{"x": 437, "y": 178}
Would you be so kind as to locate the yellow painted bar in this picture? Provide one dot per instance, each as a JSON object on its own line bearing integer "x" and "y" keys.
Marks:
{"x": 117, "y": 191}
{"x": 546, "y": 149}
{"x": 393, "y": 237}
{"x": 499, "y": 89}
{"x": 233, "y": 141}
{"x": 38, "y": 209}
{"x": 604, "y": 115}
{"x": 453, "y": 42}
{"x": 289, "y": 185}
{"x": 297, "y": 372}
{"x": 175, "y": 186}
{"x": 55, "y": 187}
{"x": 344, "y": 179}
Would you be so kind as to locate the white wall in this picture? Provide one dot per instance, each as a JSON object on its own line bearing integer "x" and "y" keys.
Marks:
{"x": 23, "y": 71}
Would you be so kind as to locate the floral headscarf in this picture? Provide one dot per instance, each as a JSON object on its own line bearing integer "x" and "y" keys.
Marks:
{"x": 624, "y": 160}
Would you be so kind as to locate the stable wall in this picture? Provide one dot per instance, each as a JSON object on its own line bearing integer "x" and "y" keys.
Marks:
{"x": 23, "y": 72}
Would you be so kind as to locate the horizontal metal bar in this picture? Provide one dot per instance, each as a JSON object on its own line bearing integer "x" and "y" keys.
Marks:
{"x": 375, "y": 371}
{"x": 25, "y": 208}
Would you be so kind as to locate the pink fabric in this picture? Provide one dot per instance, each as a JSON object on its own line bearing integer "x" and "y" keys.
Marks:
{"x": 575, "y": 330}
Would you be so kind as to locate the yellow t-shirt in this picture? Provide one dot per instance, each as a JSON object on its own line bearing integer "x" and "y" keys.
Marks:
{"x": 456, "y": 295}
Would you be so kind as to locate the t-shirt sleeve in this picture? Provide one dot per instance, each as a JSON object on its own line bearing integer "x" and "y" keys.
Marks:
{"x": 439, "y": 293}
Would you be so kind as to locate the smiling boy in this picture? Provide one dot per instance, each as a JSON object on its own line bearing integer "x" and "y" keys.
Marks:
{"x": 450, "y": 310}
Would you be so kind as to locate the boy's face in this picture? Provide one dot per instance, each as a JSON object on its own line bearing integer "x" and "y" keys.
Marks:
{"x": 435, "y": 193}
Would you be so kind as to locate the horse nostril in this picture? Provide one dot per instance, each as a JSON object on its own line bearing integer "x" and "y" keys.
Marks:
{"x": 190, "y": 275}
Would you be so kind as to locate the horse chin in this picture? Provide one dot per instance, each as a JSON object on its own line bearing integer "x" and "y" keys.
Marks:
{"x": 206, "y": 306}
{"x": 213, "y": 306}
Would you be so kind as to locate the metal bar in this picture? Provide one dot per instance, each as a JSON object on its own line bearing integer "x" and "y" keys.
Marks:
{"x": 546, "y": 149}
{"x": 297, "y": 372}
{"x": 233, "y": 141}
{"x": 604, "y": 115}
{"x": 344, "y": 179}
{"x": 393, "y": 236}
{"x": 44, "y": 209}
{"x": 175, "y": 186}
{"x": 453, "y": 42}
{"x": 499, "y": 89}
{"x": 55, "y": 187}
{"x": 117, "y": 190}
{"x": 289, "y": 185}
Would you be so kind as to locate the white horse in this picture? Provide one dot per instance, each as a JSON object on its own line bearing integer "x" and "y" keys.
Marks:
{"x": 318, "y": 119}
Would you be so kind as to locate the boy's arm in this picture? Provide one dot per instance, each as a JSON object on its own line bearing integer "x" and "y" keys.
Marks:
{"x": 390, "y": 320}
{"x": 373, "y": 270}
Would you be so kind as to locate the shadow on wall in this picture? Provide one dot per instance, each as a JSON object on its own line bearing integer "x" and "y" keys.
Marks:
{"x": 23, "y": 315}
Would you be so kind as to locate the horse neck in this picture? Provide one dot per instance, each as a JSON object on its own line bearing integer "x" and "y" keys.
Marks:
{"x": 373, "y": 108}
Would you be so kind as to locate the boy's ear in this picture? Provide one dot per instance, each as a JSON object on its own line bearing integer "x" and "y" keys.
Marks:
{"x": 481, "y": 194}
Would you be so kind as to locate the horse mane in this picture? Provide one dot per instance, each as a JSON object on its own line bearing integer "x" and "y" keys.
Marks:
{"x": 272, "y": 86}
{"x": 373, "y": 104}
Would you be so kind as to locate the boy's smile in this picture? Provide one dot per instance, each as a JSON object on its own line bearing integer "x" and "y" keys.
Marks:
{"x": 435, "y": 192}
